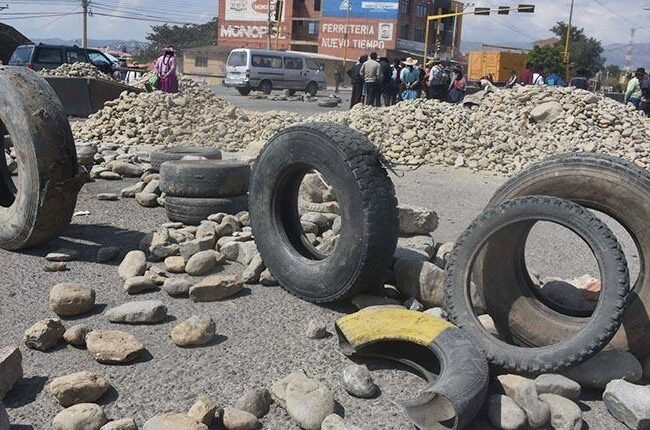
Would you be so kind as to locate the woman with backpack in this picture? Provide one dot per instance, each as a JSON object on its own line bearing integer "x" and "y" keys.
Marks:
{"x": 457, "y": 86}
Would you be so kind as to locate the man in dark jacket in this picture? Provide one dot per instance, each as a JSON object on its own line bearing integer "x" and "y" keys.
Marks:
{"x": 385, "y": 75}
{"x": 357, "y": 81}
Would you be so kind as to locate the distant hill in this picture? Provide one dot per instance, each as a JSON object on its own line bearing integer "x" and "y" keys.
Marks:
{"x": 112, "y": 44}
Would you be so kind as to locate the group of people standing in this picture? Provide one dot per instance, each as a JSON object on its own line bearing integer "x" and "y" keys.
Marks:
{"x": 536, "y": 75}
{"x": 375, "y": 81}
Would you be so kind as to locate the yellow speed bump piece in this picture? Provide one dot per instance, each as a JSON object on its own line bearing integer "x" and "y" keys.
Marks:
{"x": 378, "y": 323}
{"x": 455, "y": 369}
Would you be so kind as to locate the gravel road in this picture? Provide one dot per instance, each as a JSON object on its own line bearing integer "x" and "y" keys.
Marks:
{"x": 261, "y": 333}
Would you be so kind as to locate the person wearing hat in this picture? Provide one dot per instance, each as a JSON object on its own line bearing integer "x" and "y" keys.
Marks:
{"x": 457, "y": 86}
{"x": 633, "y": 92}
{"x": 165, "y": 68}
{"x": 410, "y": 78}
{"x": 436, "y": 82}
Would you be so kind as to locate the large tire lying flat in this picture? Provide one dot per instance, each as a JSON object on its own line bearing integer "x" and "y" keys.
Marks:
{"x": 176, "y": 153}
{"x": 511, "y": 299}
{"x": 612, "y": 186}
{"x": 192, "y": 211}
{"x": 352, "y": 166}
{"x": 205, "y": 178}
{"x": 40, "y": 205}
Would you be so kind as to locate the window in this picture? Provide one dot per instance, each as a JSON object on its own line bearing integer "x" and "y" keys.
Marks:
{"x": 293, "y": 63}
{"x": 97, "y": 58}
{"x": 312, "y": 27}
{"x": 404, "y": 31}
{"x": 317, "y": 5}
{"x": 237, "y": 58}
{"x": 74, "y": 56}
{"x": 22, "y": 55}
{"x": 48, "y": 55}
{"x": 312, "y": 65}
{"x": 418, "y": 34}
{"x": 404, "y": 6}
{"x": 421, "y": 10}
{"x": 267, "y": 61}
{"x": 200, "y": 61}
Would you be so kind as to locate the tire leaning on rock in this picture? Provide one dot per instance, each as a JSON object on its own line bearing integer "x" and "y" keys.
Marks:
{"x": 368, "y": 237}
{"x": 609, "y": 185}
{"x": 41, "y": 202}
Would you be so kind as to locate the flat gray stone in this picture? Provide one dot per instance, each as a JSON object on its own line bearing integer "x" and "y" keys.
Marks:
{"x": 416, "y": 221}
{"x": 70, "y": 299}
{"x": 123, "y": 424}
{"x": 123, "y": 168}
{"x": 76, "y": 335}
{"x": 191, "y": 247}
{"x": 45, "y": 334}
{"x": 234, "y": 419}
{"x": 203, "y": 410}
{"x": 86, "y": 416}
{"x": 524, "y": 393}
{"x": 113, "y": 346}
{"x": 173, "y": 422}
{"x": 335, "y": 422}
{"x": 308, "y": 402}
{"x": 358, "y": 382}
{"x": 256, "y": 402}
{"x": 134, "y": 264}
{"x": 175, "y": 264}
{"x": 421, "y": 279}
{"x": 177, "y": 287}
{"x": 80, "y": 387}
{"x": 565, "y": 415}
{"x": 139, "y": 284}
{"x": 148, "y": 200}
{"x": 143, "y": 312}
{"x": 216, "y": 287}
{"x": 628, "y": 403}
{"x": 203, "y": 262}
{"x": 194, "y": 331}
{"x": 504, "y": 413}
{"x": 557, "y": 384}
{"x": 11, "y": 369}
{"x": 62, "y": 255}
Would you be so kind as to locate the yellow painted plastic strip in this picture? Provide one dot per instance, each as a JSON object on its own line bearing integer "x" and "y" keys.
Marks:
{"x": 378, "y": 324}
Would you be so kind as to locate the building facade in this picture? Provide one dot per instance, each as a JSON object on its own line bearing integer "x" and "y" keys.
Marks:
{"x": 344, "y": 29}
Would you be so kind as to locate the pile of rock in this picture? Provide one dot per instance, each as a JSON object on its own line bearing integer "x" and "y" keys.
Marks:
{"x": 193, "y": 116}
{"x": 76, "y": 70}
{"x": 507, "y": 130}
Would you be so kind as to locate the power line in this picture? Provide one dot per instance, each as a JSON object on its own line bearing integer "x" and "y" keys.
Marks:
{"x": 616, "y": 13}
{"x": 515, "y": 29}
{"x": 144, "y": 19}
{"x": 40, "y": 16}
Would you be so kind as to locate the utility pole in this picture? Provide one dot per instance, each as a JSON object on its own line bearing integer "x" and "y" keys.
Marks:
{"x": 567, "y": 52}
{"x": 268, "y": 40}
{"x": 629, "y": 55}
{"x": 84, "y": 39}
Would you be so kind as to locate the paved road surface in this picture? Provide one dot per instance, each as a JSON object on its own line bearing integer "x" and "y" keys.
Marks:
{"x": 261, "y": 333}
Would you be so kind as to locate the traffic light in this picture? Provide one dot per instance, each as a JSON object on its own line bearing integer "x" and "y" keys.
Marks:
{"x": 482, "y": 11}
{"x": 526, "y": 8}
{"x": 503, "y": 10}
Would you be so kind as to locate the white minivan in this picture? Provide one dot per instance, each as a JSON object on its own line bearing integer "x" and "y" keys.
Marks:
{"x": 259, "y": 69}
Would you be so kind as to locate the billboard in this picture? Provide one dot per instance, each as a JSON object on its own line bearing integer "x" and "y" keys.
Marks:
{"x": 248, "y": 10}
{"x": 339, "y": 37}
{"x": 368, "y": 9}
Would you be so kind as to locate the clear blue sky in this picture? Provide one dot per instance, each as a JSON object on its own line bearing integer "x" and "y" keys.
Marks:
{"x": 604, "y": 19}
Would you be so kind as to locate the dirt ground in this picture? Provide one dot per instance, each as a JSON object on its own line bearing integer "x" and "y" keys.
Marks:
{"x": 261, "y": 332}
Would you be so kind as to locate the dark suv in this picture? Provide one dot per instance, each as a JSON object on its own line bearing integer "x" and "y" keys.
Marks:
{"x": 42, "y": 56}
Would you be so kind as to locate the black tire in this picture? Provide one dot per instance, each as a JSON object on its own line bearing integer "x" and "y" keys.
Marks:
{"x": 352, "y": 166}
{"x": 244, "y": 91}
{"x": 266, "y": 87}
{"x": 291, "y": 93}
{"x": 614, "y": 187}
{"x": 42, "y": 203}
{"x": 192, "y": 211}
{"x": 328, "y": 103}
{"x": 205, "y": 178}
{"x": 508, "y": 225}
{"x": 312, "y": 89}
{"x": 176, "y": 153}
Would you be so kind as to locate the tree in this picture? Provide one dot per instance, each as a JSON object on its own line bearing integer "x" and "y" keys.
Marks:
{"x": 586, "y": 52}
{"x": 549, "y": 58}
{"x": 180, "y": 36}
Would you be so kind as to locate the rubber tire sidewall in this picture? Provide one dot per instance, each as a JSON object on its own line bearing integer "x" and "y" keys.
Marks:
{"x": 609, "y": 185}
{"x": 205, "y": 178}
{"x": 191, "y": 211}
{"x": 588, "y": 337}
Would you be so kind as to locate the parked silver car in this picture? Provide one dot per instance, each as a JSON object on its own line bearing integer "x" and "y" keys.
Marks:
{"x": 258, "y": 69}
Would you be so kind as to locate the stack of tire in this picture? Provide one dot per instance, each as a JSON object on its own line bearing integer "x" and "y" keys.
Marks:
{"x": 545, "y": 335}
{"x": 196, "y": 189}
{"x": 182, "y": 152}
